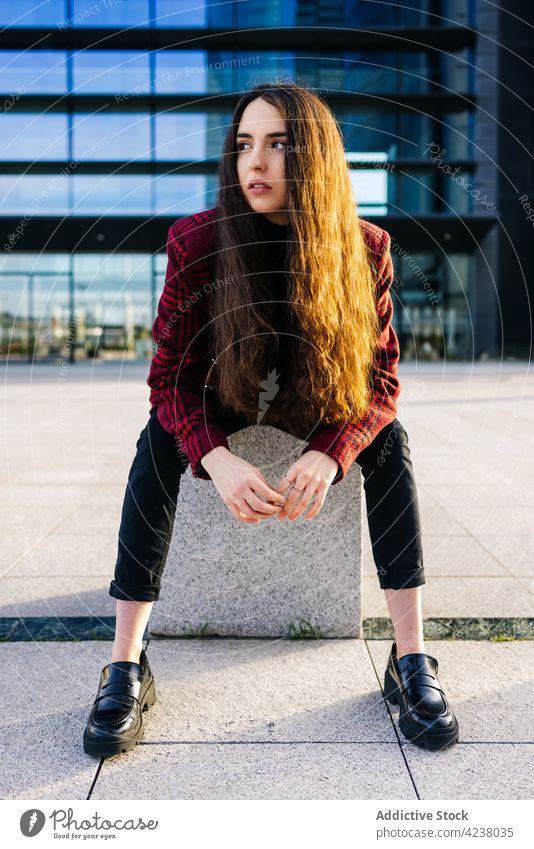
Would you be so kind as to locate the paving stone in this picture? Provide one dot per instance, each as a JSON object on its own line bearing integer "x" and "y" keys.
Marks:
{"x": 256, "y": 690}
{"x": 473, "y": 771}
{"x": 460, "y": 596}
{"x": 52, "y": 556}
{"x": 256, "y": 771}
{"x": 490, "y": 686}
{"x": 50, "y": 688}
{"x": 63, "y": 596}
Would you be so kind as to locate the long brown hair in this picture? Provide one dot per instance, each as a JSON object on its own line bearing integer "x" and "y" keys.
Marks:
{"x": 331, "y": 283}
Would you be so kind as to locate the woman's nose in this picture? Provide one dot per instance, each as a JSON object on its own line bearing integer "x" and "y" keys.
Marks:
{"x": 257, "y": 159}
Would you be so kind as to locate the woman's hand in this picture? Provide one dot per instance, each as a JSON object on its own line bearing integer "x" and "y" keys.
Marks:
{"x": 240, "y": 484}
{"x": 313, "y": 473}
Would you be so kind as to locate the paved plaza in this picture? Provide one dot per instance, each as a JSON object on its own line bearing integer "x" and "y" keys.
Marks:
{"x": 269, "y": 718}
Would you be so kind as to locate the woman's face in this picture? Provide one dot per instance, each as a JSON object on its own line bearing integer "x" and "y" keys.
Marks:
{"x": 261, "y": 143}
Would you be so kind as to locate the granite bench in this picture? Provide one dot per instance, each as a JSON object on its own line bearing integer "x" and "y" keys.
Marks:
{"x": 274, "y": 579}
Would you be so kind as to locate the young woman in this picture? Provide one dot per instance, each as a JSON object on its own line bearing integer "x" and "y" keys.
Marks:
{"x": 281, "y": 281}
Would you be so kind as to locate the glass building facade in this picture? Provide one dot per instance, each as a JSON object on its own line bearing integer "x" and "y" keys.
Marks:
{"x": 114, "y": 117}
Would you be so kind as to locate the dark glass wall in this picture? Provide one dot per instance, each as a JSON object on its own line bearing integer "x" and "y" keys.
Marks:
{"x": 112, "y": 129}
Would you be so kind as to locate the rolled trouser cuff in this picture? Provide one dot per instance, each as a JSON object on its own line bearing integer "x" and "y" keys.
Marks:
{"x": 134, "y": 592}
{"x": 400, "y": 580}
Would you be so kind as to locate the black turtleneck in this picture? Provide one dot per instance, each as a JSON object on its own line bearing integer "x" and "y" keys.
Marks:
{"x": 274, "y": 237}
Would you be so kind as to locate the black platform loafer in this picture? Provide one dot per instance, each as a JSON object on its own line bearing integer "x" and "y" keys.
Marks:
{"x": 426, "y": 718}
{"x": 115, "y": 724}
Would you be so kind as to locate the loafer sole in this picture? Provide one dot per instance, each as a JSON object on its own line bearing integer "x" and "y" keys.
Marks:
{"x": 429, "y": 738}
{"x": 115, "y": 745}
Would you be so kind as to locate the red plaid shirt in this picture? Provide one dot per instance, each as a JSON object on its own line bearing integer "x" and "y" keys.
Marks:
{"x": 179, "y": 372}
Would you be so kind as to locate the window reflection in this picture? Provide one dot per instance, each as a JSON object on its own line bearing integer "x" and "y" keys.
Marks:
{"x": 98, "y": 306}
{"x": 431, "y": 305}
{"x": 182, "y": 13}
{"x": 181, "y": 137}
{"x": 120, "y": 137}
{"x": 103, "y": 306}
{"x": 113, "y": 305}
{"x": 33, "y": 72}
{"x": 112, "y": 13}
{"x": 34, "y": 136}
{"x": 184, "y": 195}
{"x": 105, "y": 195}
{"x": 181, "y": 72}
{"x": 101, "y": 71}
{"x": 28, "y": 13}
{"x": 14, "y": 326}
{"x": 33, "y": 195}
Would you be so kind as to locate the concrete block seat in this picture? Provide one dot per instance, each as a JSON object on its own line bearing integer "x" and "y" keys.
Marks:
{"x": 275, "y": 579}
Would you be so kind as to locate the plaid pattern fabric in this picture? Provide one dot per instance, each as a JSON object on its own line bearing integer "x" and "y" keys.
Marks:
{"x": 178, "y": 378}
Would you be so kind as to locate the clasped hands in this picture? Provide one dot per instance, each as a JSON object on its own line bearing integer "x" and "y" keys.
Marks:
{"x": 250, "y": 497}
{"x": 310, "y": 476}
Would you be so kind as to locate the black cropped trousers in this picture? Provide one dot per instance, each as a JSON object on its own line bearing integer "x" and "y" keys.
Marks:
{"x": 149, "y": 508}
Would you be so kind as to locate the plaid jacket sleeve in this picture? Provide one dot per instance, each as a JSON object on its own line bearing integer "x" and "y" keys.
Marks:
{"x": 179, "y": 368}
{"x": 345, "y": 443}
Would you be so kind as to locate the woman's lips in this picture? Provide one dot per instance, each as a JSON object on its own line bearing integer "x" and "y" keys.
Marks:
{"x": 258, "y": 190}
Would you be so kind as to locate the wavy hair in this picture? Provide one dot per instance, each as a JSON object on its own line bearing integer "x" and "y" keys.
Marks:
{"x": 331, "y": 296}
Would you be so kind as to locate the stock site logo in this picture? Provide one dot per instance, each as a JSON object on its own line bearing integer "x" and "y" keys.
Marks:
{"x": 270, "y": 390}
{"x": 31, "y": 822}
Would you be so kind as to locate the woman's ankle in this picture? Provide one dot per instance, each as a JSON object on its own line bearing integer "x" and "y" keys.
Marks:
{"x": 130, "y": 653}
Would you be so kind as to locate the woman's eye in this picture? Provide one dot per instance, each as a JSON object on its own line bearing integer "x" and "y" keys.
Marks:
{"x": 240, "y": 145}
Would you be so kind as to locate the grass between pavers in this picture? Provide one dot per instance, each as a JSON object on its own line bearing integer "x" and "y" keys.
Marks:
{"x": 85, "y": 628}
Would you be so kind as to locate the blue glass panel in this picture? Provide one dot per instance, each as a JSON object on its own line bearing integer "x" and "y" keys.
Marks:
{"x": 49, "y": 300}
{"x": 372, "y": 71}
{"x": 111, "y": 195}
{"x": 182, "y": 72}
{"x": 121, "y": 136}
{"x": 14, "y": 325}
{"x": 28, "y": 13}
{"x": 96, "y": 71}
{"x": 363, "y": 14}
{"x": 181, "y": 136}
{"x": 113, "y": 297}
{"x": 268, "y": 13}
{"x": 110, "y": 13}
{"x": 252, "y": 68}
{"x": 455, "y": 135}
{"x": 370, "y": 186}
{"x": 21, "y": 262}
{"x": 180, "y": 195}
{"x": 182, "y": 13}
{"x": 369, "y": 131}
{"x": 33, "y": 136}
{"x": 33, "y": 72}
{"x": 33, "y": 195}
